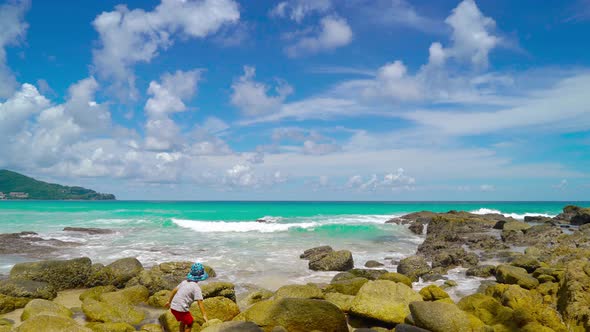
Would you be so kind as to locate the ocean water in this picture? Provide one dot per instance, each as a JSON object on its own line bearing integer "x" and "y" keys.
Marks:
{"x": 227, "y": 236}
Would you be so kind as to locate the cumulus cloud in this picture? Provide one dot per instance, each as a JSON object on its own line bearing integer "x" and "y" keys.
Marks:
{"x": 16, "y": 110}
{"x": 127, "y": 37}
{"x": 12, "y": 30}
{"x": 253, "y": 97}
{"x": 334, "y": 32}
{"x": 167, "y": 97}
{"x": 392, "y": 181}
{"x": 296, "y": 10}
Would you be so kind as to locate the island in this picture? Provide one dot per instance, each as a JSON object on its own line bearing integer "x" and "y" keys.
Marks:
{"x": 16, "y": 186}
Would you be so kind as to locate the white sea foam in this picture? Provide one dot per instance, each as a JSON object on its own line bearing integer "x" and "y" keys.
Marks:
{"x": 513, "y": 215}
{"x": 240, "y": 227}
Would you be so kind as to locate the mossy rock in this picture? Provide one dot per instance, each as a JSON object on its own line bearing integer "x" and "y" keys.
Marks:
{"x": 232, "y": 327}
{"x": 433, "y": 293}
{"x": 255, "y": 296}
{"x": 373, "y": 264}
{"x": 309, "y": 291}
{"x": 370, "y": 274}
{"x": 384, "y": 300}
{"x": 100, "y": 275}
{"x": 530, "y": 264}
{"x": 124, "y": 269}
{"x": 347, "y": 287}
{"x": 44, "y": 307}
{"x": 396, "y": 277}
{"x": 66, "y": 274}
{"x": 28, "y": 289}
{"x": 159, "y": 299}
{"x": 443, "y": 317}
{"x": 343, "y": 276}
{"x": 413, "y": 267}
{"x": 574, "y": 295}
{"x": 111, "y": 327}
{"x": 10, "y": 303}
{"x": 51, "y": 323}
{"x": 342, "y": 301}
{"x": 334, "y": 261}
{"x": 508, "y": 274}
{"x": 481, "y": 271}
{"x": 95, "y": 292}
{"x": 297, "y": 315}
{"x": 488, "y": 310}
{"x": 219, "y": 307}
{"x": 219, "y": 288}
{"x": 98, "y": 311}
{"x": 516, "y": 226}
{"x": 131, "y": 295}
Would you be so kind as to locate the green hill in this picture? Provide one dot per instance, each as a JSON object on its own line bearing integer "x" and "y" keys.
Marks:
{"x": 11, "y": 182}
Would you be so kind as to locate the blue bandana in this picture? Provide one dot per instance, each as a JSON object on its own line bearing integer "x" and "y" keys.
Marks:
{"x": 197, "y": 273}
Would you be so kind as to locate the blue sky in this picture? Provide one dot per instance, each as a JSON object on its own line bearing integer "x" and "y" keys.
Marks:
{"x": 313, "y": 100}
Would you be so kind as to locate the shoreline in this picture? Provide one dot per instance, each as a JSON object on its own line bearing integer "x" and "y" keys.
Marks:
{"x": 532, "y": 259}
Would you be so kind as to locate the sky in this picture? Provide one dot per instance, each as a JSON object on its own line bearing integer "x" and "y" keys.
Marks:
{"x": 299, "y": 99}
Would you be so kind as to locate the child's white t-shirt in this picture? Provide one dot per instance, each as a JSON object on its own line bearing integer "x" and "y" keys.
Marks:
{"x": 187, "y": 293}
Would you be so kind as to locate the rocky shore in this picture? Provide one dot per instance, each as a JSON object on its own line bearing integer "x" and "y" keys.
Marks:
{"x": 534, "y": 275}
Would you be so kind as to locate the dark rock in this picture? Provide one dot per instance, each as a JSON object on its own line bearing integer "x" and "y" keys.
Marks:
{"x": 454, "y": 257}
{"x": 91, "y": 231}
{"x": 333, "y": 261}
{"x": 581, "y": 217}
{"x": 413, "y": 267}
{"x": 366, "y": 273}
{"x": 343, "y": 276}
{"x": 28, "y": 289}
{"x": 484, "y": 242}
{"x": 66, "y": 274}
{"x": 373, "y": 264}
{"x": 30, "y": 244}
{"x": 409, "y": 328}
{"x": 124, "y": 269}
{"x": 538, "y": 219}
{"x": 309, "y": 253}
{"x": 482, "y": 271}
{"x": 417, "y": 228}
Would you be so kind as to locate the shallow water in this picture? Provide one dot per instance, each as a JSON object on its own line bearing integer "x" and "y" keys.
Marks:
{"x": 226, "y": 235}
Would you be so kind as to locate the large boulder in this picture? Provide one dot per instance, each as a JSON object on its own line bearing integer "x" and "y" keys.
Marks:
{"x": 508, "y": 274}
{"x": 370, "y": 274}
{"x": 51, "y": 323}
{"x": 528, "y": 306}
{"x": 581, "y": 217}
{"x": 62, "y": 275}
{"x": 334, "y": 261}
{"x": 309, "y": 291}
{"x": 433, "y": 293}
{"x": 99, "y": 311}
{"x": 131, "y": 295}
{"x": 574, "y": 295}
{"x": 254, "y": 297}
{"x": 297, "y": 315}
{"x": 454, "y": 257}
{"x": 124, "y": 269}
{"x": 443, "y": 317}
{"x": 530, "y": 264}
{"x": 10, "y": 303}
{"x": 342, "y": 301}
{"x": 348, "y": 286}
{"x": 95, "y": 292}
{"x": 166, "y": 276}
{"x": 481, "y": 271}
{"x": 159, "y": 299}
{"x": 44, "y": 307}
{"x": 218, "y": 288}
{"x": 384, "y": 300}
{"x": 413, "y": 267}
{"x": 396, "y": 277}
{"x": 233, "y": 327}
{"x": 27, "y": 289}
{"x": 111, "y": 327}
{"x": 100, "y": 275}
{"x": 321, "y": 251}
{"x": 516, "y": 226}
{"x": 488, "y": 310}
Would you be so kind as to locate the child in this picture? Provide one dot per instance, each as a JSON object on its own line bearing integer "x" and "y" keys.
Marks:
{"x": 185, "y": 294}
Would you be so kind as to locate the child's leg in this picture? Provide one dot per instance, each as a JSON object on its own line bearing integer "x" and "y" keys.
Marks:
{"x": 181, "y": 327}
{"x": 188, "y": 328}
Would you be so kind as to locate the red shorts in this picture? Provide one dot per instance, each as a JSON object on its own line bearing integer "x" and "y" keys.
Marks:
{"x": 184, "y": 317}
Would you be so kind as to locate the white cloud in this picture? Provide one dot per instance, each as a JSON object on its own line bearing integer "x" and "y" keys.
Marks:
{"x": 12, "y": 30}
{"x": 16, "y": 110}
{"x": 396, "y": 180}
{"x": 168, "y": 96}
{"x": 296, "y": 10}
{"x": 333, "y": 33}
{"x": 392, "y": 81}
{"x": 397, "y": 13}
{"x": 562, "y": 185}
{"x": 487, "y": 188}
{"x": 253, "y": 98}
{"x": 128, "y": 36}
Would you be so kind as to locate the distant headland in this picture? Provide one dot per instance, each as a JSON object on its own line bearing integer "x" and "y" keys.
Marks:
{"x": 15, "y": 186}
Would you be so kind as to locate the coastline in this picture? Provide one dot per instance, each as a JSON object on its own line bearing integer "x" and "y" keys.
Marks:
{"x": 530, "y": 260}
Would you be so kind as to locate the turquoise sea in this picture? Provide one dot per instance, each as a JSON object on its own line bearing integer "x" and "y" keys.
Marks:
{"x": 227, "y": 236}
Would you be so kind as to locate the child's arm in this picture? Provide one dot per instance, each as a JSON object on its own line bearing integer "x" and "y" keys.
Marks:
{"x": 167, "y": 305}
{"x": 202, "y": 307}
